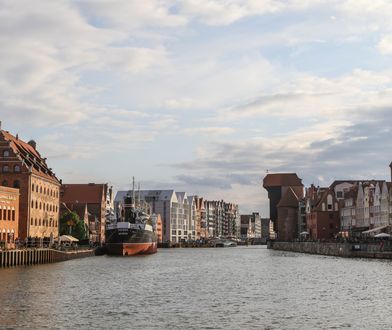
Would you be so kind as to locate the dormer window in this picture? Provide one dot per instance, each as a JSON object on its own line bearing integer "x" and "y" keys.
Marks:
{"x": 6, "y": 153}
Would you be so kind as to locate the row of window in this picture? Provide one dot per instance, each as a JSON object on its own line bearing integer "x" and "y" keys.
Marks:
{"x": 7, "y": 169}
{"x": 15, "y": 185}
{"x": 43, "y": 222}
{"x": 44, "y": 190}
{"x": 42, "y": 206}
{"x": 7, "y": 215}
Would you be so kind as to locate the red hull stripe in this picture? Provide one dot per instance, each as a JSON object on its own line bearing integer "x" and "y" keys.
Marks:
{"x": 129, "y": 249}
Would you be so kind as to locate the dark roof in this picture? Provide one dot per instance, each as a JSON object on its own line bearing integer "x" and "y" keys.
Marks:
{"x": 29, "y": 155}
{"x": 90, "y": 193}
{"x": 281, "y": 179}
{"x": 289, "y": 199}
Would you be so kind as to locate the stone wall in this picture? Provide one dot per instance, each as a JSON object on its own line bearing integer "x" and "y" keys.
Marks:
{"x": 349, "y": 250}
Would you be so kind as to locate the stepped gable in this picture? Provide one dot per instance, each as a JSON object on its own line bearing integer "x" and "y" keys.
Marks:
{"x": 30, "y": 156}
{"x": 289, "y": 199}
{"x": 89, "y": 193}
{"x": 281, "y": 179}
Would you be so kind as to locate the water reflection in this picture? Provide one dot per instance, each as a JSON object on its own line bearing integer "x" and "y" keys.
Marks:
{"x": 229, "y": 288}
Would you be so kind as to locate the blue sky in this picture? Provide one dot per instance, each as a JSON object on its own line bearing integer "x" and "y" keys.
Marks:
{"x": 201, "y": 96}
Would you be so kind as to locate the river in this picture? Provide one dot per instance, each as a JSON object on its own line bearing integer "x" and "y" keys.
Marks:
{"x": 210, "y": 288}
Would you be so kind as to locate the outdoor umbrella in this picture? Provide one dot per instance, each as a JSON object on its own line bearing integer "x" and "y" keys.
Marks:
{"x": 382, "y": 235}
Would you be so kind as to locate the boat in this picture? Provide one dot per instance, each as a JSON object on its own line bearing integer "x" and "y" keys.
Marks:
{"x": 134, "y": 230}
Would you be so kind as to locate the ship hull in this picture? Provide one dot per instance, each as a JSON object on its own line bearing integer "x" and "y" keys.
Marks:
{"x": 130, "y": 249}
{"x": 130, "y": 242}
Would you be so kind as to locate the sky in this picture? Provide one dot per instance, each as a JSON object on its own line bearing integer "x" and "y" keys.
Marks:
{"x": 203, "y": 96}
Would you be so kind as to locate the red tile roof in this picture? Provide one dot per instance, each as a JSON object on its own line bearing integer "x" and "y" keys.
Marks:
{"x": 281, "y": 179}
{"x": 90, "y": 193}
{"x": 30, "y": 156}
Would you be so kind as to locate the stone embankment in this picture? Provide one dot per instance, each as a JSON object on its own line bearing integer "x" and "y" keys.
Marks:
{"x": 348, "y": 250}
{"x": 25, "y": 257}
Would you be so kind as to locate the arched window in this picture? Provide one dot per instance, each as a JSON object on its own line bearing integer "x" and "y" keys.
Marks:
{"x": 32, "y": 222}
{"x": 6, "y": 153}
{"x": 44, "y": 191}
{"x": 16, "y": 184}
{"x": 39, "y": 222}
{"x": 17, "y": 169}
{"x": 36, "y": 204}
{"x": 40, "y": 206}
{"x": 32, "y": 204}
{"x": 5, "y": 168}
{"x": 32, "y": 187}
{"x": 35, "y": 222}
{"x": 40, "y": 190}
{"x": 36, "y": 188}
{"x": 43, "y": 206}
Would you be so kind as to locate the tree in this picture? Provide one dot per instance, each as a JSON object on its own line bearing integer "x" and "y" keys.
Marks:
{"x": 70, "y": 224}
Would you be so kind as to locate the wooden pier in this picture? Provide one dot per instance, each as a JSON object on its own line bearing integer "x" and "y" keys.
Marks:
{"x": 26, "y": 257}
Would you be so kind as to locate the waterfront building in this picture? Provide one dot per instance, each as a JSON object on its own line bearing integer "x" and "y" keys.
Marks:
{"x": 285, "y": 190}
{"x": 23, "y": 167}
{"x": 99, "y": 200}
{"x": 222, "y": 219}
{"x": 200, "y": 218}
{"x": 9, "y": 216}
{"x": 251, "y": 226}
{"x": 265, "y": 229}
{"x": 322, "y": 213}
{"x": 192, "y": 210}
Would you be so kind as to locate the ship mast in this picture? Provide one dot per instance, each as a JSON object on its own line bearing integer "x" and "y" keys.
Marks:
{"x": 133, "y": 192}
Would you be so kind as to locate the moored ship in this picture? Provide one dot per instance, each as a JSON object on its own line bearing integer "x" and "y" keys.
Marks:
{"x": 134, "y": 230}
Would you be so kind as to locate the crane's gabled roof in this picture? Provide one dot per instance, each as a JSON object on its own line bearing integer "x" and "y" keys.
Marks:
{"x": 282, "y": 179}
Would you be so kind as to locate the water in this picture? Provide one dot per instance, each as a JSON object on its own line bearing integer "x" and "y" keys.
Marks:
{"x": 226, "y": 288}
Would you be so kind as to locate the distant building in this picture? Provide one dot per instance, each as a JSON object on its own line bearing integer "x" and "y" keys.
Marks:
{"x": 23, "y": 167}
{"x": 9, "y": 216}
{"x": 285, "y": 191}
{"x": 98, "y": 198}
{"x": 251, "y": 226}
{"x": 265, "y": 229}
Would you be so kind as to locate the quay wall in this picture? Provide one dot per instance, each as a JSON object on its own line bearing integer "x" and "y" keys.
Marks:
{"x": 348, "y": 250}
{"x": 27, "y": 257}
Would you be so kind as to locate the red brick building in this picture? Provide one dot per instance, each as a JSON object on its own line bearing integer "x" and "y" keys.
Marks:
{"x": 9, "y": 216}
{"x": 322, "y": 213}
{"x": 95, "y": 196}
{"x": 23, "y": 167}
{"x": 285, "y": 190}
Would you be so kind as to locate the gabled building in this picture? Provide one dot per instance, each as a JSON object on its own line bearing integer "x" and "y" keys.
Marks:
{"x": 322, "y": 213}
{"x": 22, "y": 167}
{"x": 97, "y": 197}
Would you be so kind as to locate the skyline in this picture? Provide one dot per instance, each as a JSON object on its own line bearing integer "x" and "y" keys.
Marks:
{"x": 200, "y": 96}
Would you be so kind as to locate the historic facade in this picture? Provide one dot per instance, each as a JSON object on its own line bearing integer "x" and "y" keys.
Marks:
{"x": 9, "y": 215}
{"x": 23, "y": 167}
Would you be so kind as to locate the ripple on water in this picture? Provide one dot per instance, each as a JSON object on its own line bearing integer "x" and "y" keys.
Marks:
{"x": 248, "y": 288}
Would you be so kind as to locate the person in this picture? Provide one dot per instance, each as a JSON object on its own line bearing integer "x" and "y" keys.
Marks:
{"x": 382, "y": 246}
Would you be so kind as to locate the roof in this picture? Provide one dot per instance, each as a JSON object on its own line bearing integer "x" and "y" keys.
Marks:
{"x": 29, "y": 155}
{"x": 281, "y": 179}
{"x": 158, "y": 194}
{"x": 90, "y": 193}
{"x": 289, "y": 199}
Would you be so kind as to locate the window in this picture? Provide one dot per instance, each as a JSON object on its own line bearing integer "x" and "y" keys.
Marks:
{"x": 17, "y": 169}
{"x": 36, "y": 204}
{"x": 32, "y": 204}
{"x": 13, "y": 215}
{"x": 32, "y": 187}
{"x": 329, "y": 206}
{"x": 1, "y": 214}
{"x": 9, "y": 215}
{"x": 4, "y": 183}
{"x": 32, "y": 222}
{"x": 5, "y": 168}
{"x": 36, "y": 222}
{"x": 16, "y": 184}
{"x": 6, "y": 153}
{"x": 339, "y": 194}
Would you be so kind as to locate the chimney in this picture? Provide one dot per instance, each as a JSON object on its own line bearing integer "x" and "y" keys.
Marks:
{"x": 390, "y": 166}
{"x": 0, "y": 125}
{"x": 33, "y": 144}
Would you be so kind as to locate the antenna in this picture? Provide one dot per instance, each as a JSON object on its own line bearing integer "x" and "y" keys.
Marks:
{"x": 133, "y": 191}
{"x": 138, "y": 194}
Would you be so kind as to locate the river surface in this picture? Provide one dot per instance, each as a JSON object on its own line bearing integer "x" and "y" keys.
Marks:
{"x": 210, "y": 288}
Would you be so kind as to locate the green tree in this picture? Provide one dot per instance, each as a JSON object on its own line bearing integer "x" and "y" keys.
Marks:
{"x": 71, "y": 224}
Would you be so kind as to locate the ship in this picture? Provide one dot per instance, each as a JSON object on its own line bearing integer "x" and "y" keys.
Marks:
{"x": 133, "y": 231}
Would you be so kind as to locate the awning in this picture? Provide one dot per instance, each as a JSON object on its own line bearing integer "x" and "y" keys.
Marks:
{"x": 374, "y": 230}
{"x": 68, "y": 238}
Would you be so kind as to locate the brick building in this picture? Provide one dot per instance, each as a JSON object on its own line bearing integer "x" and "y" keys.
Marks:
{"x": 322, "y": 213}
{"x": 9, "y": 215}
{"x": 23, "y": 167}
{"x": 97, "y": 197}
{"x": 285, "y": 191}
